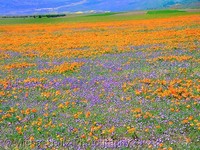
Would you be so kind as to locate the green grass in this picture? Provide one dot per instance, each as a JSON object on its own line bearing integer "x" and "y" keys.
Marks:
{"x": 165, "y": 11}
{"x": 102, "y": 14}
{"x": 106, "y": 17}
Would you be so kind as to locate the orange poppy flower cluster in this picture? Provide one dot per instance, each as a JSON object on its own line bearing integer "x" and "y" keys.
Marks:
{"x": 172, "y": 58}
{"x": 19, "y": 65}
{"x": 90, "y": 39}
{"x": 63, "y": 68}
{"x": 176, "y": 88}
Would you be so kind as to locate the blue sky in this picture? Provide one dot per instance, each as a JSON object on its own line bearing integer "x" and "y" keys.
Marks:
{"x": 57, "y": 6}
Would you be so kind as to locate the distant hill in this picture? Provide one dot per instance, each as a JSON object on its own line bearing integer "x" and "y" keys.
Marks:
{"x": 23, "y": 7}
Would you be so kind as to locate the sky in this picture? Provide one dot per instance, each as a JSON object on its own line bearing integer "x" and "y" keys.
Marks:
{"x": 13, "y": 7}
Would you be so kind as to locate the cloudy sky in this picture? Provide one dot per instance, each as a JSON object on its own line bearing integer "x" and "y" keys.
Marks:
{"x": 53, "y": 6}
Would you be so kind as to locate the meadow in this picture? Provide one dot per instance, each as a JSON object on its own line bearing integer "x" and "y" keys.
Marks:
{"x": 123, "y": 81}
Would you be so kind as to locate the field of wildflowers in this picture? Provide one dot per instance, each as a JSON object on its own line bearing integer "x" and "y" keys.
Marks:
{"x": 131, "y": 84}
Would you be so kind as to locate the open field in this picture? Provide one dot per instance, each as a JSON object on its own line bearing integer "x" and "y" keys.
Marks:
{"x": 107, "y": 81}
{"x": 107, "y": 17}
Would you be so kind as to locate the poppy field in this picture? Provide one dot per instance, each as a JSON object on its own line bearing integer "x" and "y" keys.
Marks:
{"x": 131, "y": 84}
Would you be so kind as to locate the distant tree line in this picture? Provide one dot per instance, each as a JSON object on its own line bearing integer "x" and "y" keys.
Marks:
{"x": 36, "y": 16}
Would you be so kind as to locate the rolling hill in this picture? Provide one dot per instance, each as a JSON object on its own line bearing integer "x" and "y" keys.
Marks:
{"x": 18, "y": 7}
